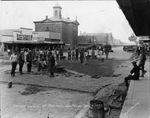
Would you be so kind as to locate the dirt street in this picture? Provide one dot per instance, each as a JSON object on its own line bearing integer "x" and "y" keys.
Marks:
{"x": 62, "y": 96}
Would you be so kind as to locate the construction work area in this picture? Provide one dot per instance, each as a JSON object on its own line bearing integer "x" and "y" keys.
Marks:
{"x": 70, "y": 93}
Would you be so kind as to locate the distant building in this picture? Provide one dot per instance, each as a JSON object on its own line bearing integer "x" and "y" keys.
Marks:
{"x": 65, "y": 28}
{"x": 27, "y": 38}
{"x": 85, "y": 41}
{"x": 145, "y": 39}
{"x": 96, "y": 38}
{"x": 11, "y": 38}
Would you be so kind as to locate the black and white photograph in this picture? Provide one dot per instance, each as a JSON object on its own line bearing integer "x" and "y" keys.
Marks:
{"x": 75, "y": 59}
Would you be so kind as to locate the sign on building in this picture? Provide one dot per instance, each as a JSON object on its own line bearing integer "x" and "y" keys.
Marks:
{"x": 132, "y": 38}
{"x": 52, "y": 40}
{"x": 24, "y": 37}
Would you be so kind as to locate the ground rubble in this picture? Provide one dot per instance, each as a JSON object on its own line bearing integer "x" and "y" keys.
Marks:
{"x": 113, "y": 94}
{"x": 113, "y": 97}
{"x": 112, "y": 91}
{"x": 108, "y": 93}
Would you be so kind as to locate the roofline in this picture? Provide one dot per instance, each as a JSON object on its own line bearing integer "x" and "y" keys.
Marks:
{"x": 7, "y": 35}
{"x": 25, "y": 28}
{"x": 59, "y": 21}
{"x": 17, "y": 31}
{"x": 57, "y": 7}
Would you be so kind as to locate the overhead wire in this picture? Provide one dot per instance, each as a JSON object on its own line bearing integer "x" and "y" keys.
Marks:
{"x": 91, "y": 13}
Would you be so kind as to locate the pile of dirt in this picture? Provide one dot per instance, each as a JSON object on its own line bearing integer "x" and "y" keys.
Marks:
{"x": 113, "y": 98}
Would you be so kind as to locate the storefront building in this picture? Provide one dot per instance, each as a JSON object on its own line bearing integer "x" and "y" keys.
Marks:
{"x": 65, "y": 30}
{"x": 16, "y": 39}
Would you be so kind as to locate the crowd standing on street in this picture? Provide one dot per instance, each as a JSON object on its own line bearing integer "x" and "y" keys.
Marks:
{"x": 42, "y": 57}
{"x": 84, "y": 54}
{"x": 47, "y": 58}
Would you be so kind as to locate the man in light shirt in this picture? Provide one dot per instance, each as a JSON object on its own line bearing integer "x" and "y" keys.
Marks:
{"x": 13, "y": 60}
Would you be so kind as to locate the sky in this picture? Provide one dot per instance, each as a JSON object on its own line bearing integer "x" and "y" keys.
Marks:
{"x": 93, "y": 16}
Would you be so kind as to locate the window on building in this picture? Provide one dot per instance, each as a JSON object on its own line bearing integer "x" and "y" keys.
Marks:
{"x": 47, "y": 29}
{"x": 56, "y": 13}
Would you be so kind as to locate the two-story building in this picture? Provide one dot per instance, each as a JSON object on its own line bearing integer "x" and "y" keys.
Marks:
{"x": 64, "y": 29}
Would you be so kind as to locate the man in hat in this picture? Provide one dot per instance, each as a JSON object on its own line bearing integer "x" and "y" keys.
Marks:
{"x": 135, "y": 72}
{"x": 142, "y": 62}
{"x": 51, "y": 64}
{"x": 29, "y": 59}
{"x": 21, "y": 60}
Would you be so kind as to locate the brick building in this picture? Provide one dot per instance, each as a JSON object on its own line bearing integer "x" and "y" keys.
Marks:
{"x": 67, "y": 28}
{"x": 86, "y": 39}
{"x": 95, "y": 38}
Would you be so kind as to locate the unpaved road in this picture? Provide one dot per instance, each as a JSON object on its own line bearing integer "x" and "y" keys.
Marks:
{"x": 25, "y": 101}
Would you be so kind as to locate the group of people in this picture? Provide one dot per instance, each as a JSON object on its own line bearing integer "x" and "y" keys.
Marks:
{"x": 135, "y": 72}
{"x": 142, "y": 46}
{"x": 42, "y": 57}
{"x": 24, "y": 56}
{"x": 85, "y": 54}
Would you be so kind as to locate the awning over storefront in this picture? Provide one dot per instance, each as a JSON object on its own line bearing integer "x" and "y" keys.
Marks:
{"x": 21, "y": 42}
{"x": 145, "y": 40}
{"x": 137, "y": 12}
{"x": 31, "y": 42}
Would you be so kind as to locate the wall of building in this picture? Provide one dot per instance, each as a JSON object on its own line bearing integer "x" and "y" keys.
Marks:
{"x": 64, "y": 34}
{"x": 70, "y": 34}
{"x": 15, "y": 35}
{"x": 75, "y": 35}
{"x": 68, "y": 31}
{"x": 26, "y": 31}
{"x": 99, "y": 38}
{"x": 7, "y": 38}
{"x": 52, "y": 27}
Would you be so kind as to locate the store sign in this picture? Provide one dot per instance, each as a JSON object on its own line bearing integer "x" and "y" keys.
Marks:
{"x": 52, "y": 40}
{"x": 132, "y": 38}
{"x": 40, "y": 40}
{"x": 24, "y": 37}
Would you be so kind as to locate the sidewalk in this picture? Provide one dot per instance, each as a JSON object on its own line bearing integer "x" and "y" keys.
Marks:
{"x": 137, "y": 103}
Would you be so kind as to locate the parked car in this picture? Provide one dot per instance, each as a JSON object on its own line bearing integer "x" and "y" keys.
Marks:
{"x": 129, "y": 48}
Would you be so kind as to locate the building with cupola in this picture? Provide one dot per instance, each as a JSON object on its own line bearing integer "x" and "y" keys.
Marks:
{"x": 57, "y": 28}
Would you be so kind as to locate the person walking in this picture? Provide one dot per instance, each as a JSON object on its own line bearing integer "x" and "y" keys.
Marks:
{"x": 106, "y": 49}
{"x": 90, "y": 53}
{"x": 9, "y": 52}
{"x": 21, "y": 60}
{"x": 73, "y": 54}
{"x": 69, "y": 54}
{"x": 29, "y": 61}
{"x": 51, "y": 64}
{"x": 100, "y": 55}
{"x": 13, "y": 60}
{"x": 81, "y": 55}
{"x": 85, "y": 56}
{"x": 134, "y": 74}
{"x": 93, "y": 53}
{"x": 77, "y": 53}
{"x": 57, "y": 53}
